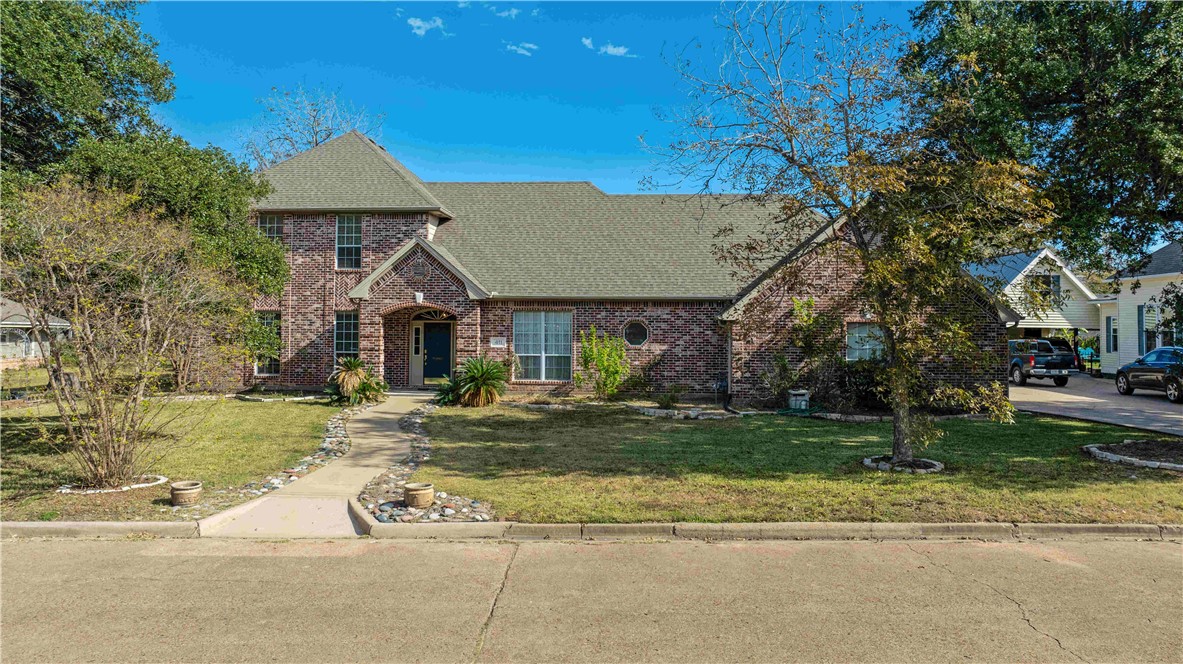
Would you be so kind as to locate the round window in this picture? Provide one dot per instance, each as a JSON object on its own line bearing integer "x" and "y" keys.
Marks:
{"x": 635, "y": 333}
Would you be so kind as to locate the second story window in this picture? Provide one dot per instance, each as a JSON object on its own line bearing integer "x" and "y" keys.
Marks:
{"x": 348, "y": 242}
{"x": 271, "y": 226}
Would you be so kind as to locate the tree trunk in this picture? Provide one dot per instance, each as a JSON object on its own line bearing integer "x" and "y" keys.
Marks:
{"x": 901, "y": 417}
{"x": 901, "y": 433}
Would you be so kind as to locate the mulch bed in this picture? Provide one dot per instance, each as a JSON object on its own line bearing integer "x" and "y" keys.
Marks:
{"x": 1148, "y": 450}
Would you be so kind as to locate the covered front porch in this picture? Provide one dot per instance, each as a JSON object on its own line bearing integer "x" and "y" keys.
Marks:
{"x": 419, "y": 345}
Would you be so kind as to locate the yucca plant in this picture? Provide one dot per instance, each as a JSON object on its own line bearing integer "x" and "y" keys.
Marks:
{"x": 481, "y": 381}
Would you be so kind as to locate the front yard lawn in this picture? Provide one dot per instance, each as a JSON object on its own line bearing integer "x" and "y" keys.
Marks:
{"x": 230, "y": 443}
{"x": 614, "y": 465}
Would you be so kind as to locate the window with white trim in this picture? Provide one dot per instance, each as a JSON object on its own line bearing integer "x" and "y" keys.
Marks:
{"x": 349, "y": 242}
{"x": 542, "y": 344}
{"x": 345, "y": 336}
{"x": 417, "y": 341}
{"x": 271, "y": 226}
{"x": 1111, "y": 338}
{"x": 268, "y": 366}
{"x": 864, "y": 341}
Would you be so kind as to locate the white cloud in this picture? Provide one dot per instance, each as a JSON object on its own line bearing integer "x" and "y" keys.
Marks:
{"x": 421, "y": 27}
{"x": 620, "y": 51}
{"x": 463, "y": 3}
{"x": 523, "y": 48}
{"x": 608, "y": 49}
{"x": 508, "y": 13}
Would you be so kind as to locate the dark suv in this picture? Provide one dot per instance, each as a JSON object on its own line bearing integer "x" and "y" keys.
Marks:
{"x": 1038, "y": 358}
{"x": 1161, "y": 369}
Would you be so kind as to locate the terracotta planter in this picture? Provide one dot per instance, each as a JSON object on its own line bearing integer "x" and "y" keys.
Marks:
{"x": 419, "y": 495}
{"x": 185, "y": 493}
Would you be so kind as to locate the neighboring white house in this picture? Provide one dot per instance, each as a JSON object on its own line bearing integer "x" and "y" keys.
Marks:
{"x": 1129, "y": 320}
{"x": 1074, "y": 309}
{"x": 18, "y": 342}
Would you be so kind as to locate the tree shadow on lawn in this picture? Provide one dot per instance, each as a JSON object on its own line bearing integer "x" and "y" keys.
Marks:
{"x": 1034, "y": 454}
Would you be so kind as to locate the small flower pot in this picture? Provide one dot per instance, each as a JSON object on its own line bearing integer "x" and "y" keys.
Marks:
{"x": 185, "y": 494}
{"x": 419, "y": 495}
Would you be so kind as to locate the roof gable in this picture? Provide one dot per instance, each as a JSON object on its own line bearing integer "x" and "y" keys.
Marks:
{"x": 472, "y": 288}
{"x": 349, "y": 172}
{"x": 1008, "y": 269}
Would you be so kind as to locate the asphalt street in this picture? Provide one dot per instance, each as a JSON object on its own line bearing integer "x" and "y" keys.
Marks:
{"x": 209, "y": 600}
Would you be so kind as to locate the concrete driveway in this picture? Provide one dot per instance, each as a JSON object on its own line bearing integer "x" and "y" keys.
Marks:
{"x": 219, "y": 600}
{"x": 1097, "y": 399}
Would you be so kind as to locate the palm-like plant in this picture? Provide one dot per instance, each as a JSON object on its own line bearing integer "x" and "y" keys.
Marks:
{"x": 352, "y": 382}
{"x": 481, "y": 381}
{"x": 348, "y": 374}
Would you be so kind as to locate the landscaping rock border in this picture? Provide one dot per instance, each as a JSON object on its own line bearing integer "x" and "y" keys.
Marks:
{"x": 76, "y": 490}
{"x": 1128, "y": 460}
{"x": 246, "y": 397}
{"x": 382, "y": 498}
{"x": 878, "y": 463}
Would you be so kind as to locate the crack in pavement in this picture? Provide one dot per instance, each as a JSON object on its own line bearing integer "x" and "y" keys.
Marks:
{"x": 480, "y": 641}
{"x": 1024, "y": 616}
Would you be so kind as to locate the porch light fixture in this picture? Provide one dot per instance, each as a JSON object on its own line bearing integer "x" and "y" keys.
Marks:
{"x": 418, "y": 298}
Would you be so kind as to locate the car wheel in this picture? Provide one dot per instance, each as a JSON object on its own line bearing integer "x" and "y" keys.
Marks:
{"x": 1060, "y": 382}
{"x": 1016, "y": 374}
{"x": 1123, "y": 384}
{"x": 1175, "y": 391}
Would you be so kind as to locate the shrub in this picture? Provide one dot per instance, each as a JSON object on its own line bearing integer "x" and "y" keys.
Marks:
{"x": 668, "y": 400}
{"x": 604, "y": 362}
{"x": 783, "y": 377}
{"x": 447, "y": 393}
{"x": 862, "y": 384}
{"x": 353, "y": 383}
{"x": 481, "y": 381}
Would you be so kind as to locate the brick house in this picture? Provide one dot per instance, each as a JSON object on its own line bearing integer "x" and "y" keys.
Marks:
{"x": 414, "y": 277}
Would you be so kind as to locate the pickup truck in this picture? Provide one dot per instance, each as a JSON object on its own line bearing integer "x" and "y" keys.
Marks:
{"x": 1038, "y": 358}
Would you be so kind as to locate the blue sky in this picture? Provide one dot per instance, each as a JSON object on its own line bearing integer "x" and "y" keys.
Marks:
{"x": 471, "y": 91}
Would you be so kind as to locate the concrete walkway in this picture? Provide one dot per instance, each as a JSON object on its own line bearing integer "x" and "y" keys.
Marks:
{"x": 317, "y": 504}
{"x": 1096, "y": 399}
{"x": 211, "y": 600}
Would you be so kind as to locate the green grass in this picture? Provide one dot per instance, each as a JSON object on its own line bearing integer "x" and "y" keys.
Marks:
{"x": 613, "y": 465}
{"x": 223, "y": 443}
{"x": 24, "y": 378}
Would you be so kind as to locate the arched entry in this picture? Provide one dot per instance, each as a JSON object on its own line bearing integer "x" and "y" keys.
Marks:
{"x": 432, "y": 347}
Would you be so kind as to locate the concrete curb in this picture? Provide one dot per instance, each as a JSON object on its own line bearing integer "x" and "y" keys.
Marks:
{"x": 508, "y": 530}
{"x": 174, "y": 529}
{"x": 362, "y": 517}
{"x": 207, "y": 524}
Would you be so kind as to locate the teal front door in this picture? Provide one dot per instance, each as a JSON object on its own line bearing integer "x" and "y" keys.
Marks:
{"x": 437, "y": 351}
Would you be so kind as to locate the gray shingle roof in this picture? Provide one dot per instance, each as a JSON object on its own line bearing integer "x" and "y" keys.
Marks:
{"x": 1167, "y": 260}
{"x": 571, "y": 240}
{"x": 349, "y": 172}
{"x": 1004, "y": 269}
{"x": 14, "y": 314}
